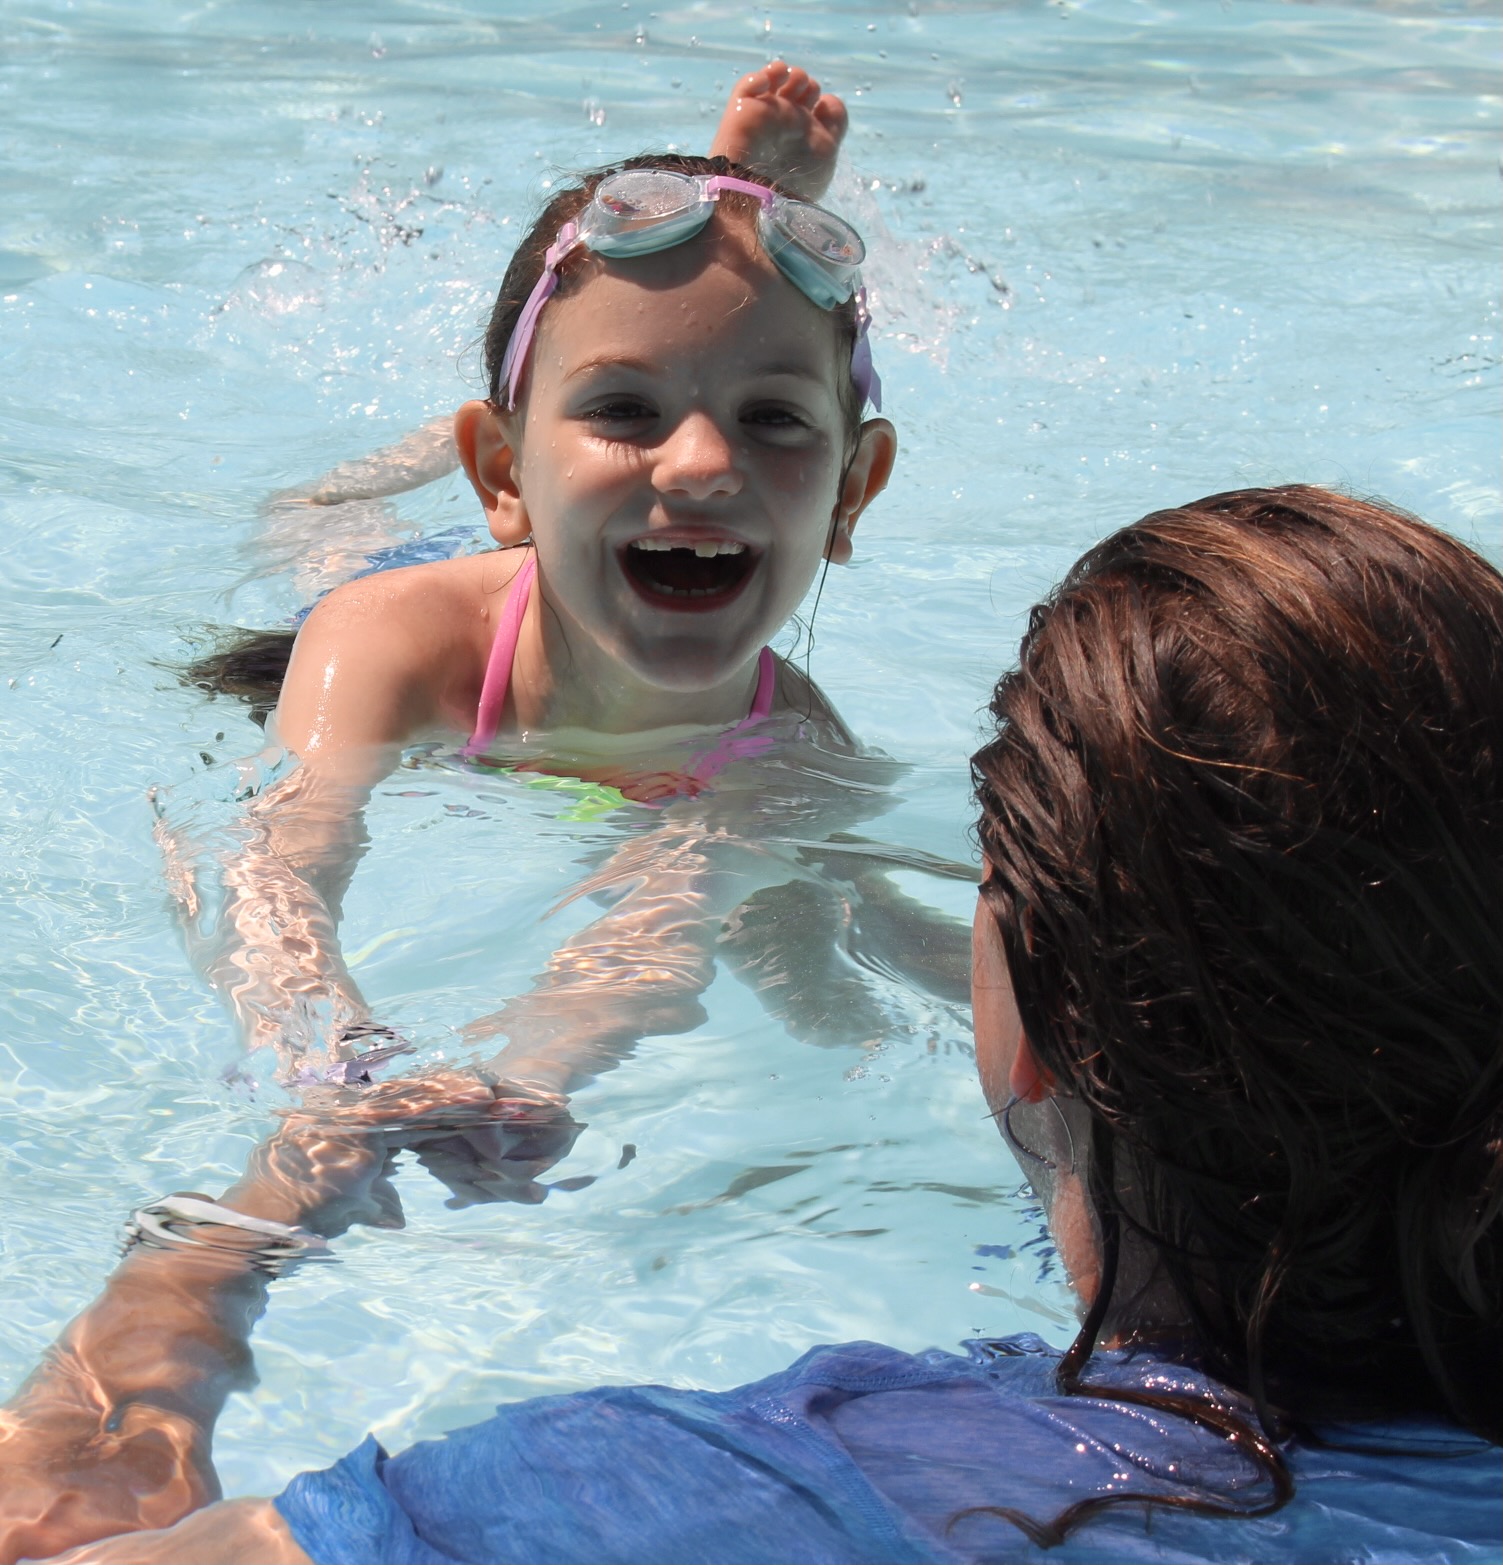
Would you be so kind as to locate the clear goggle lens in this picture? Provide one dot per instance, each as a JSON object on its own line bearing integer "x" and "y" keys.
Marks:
{"x": 639, "y": 211}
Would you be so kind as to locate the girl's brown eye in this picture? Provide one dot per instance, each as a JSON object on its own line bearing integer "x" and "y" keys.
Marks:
{"x": 775, "y": 418}
{"x": 620, "y": 410}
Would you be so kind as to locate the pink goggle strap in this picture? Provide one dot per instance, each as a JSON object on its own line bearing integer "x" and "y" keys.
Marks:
{"x": 759, "y": 193}
{"x": 515, "y": 360}
{"x": 864, "y": 374}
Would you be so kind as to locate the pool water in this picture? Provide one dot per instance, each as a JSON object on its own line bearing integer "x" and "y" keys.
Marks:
{"x": 1124, "y": 254}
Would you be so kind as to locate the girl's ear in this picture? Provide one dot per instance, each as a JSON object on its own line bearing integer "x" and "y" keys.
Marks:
{"x": 488, "y": 451}
{"x": 865, "y": 478}
{"x": 1028, "y": 1081}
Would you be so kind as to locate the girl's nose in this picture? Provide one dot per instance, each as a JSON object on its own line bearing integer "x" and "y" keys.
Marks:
{"x": 696, "y": 460}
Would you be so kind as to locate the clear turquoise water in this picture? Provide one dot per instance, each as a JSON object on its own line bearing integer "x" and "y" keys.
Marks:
{"x": 1124, "y": 254}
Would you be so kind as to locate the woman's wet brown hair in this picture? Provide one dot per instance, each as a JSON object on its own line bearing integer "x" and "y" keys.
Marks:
{"x": 1243, "y": 817}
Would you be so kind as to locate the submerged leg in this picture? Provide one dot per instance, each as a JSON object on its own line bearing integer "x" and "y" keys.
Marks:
{"x": 787, "y": 944}
{"x": 418, "y": 458}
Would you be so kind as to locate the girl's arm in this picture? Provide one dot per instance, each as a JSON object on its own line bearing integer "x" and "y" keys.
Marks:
{"x": 261, "y": 896}
{"x": 707, "y": 887}
{"x": 260, "y": 900}
{"x": 693, "y": 900}
{"x": 636, "y": 971}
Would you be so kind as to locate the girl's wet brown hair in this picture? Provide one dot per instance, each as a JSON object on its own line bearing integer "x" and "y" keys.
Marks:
{"x": 566, "y": 205}
{"x": 1243, "y": 816}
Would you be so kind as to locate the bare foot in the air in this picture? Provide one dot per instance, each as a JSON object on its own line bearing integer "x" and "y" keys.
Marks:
{"x": 778, "y": 122}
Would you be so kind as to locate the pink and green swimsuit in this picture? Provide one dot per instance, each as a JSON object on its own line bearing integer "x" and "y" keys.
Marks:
{"x": 735, "y": 744}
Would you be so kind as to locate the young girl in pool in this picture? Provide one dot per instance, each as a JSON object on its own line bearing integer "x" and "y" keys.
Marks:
{"x": 672, "y": 445}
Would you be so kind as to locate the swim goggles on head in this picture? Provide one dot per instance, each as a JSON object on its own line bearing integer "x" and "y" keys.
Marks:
{"x": 643, "y": 210}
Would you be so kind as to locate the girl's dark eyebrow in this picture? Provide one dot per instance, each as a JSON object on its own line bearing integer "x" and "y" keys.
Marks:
{"x": 602, "y": 361}
{"x": 605, "y": 361}
{"x": 796, "y": 371}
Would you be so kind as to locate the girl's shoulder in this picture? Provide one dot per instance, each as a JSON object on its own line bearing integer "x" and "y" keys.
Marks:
{"x": 797, "y": 694}
{"x": 400, "y": 653}
{"x": 468, "y": 584}
{"x": 435, "y": 618}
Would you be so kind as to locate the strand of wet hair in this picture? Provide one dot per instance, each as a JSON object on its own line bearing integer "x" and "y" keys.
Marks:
{"x": 1257, "y": 1445}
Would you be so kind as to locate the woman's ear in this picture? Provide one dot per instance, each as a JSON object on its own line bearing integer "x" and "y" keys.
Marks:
{"x": 1028, "y": 1081}
{"x": 865, "y": 478}
{"x": 487, "y": 448}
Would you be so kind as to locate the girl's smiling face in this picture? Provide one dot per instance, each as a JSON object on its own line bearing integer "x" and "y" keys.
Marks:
{"x": 680, "y": 458}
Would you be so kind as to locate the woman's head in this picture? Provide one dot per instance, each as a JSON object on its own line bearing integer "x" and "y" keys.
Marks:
{"x": 686, "y": 446}
{"x": 1243, "y": 822}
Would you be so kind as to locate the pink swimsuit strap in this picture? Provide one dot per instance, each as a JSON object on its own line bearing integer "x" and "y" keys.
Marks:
{"x": 732, "y": 746}
{"x": 735, "y": 743}
{"x": 503, "y": 652}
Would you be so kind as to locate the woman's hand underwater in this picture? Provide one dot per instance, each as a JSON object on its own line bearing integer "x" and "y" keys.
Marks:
{"x": 112, "y": 1432}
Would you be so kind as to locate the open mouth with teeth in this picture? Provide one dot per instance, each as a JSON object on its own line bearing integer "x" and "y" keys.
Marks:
{"x": 687, "y": 576}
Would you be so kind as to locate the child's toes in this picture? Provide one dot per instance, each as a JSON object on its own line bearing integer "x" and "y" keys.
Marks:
{"x": 808, "y": 93}
{"x": 794, "y": 83}
{"x": 831, "y": 112}
{"x": 755, "y": 84}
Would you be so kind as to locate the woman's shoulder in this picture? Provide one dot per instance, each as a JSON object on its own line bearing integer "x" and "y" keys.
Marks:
{"x": 865, "y": 1452}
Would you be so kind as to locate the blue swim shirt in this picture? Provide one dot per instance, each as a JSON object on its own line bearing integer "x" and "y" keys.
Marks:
{"x": 861, "y": 1455}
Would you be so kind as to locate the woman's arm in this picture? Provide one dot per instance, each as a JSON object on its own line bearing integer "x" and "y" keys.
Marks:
{"x": 112, "y": 1432}
{"x": 233, "y": 1532}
